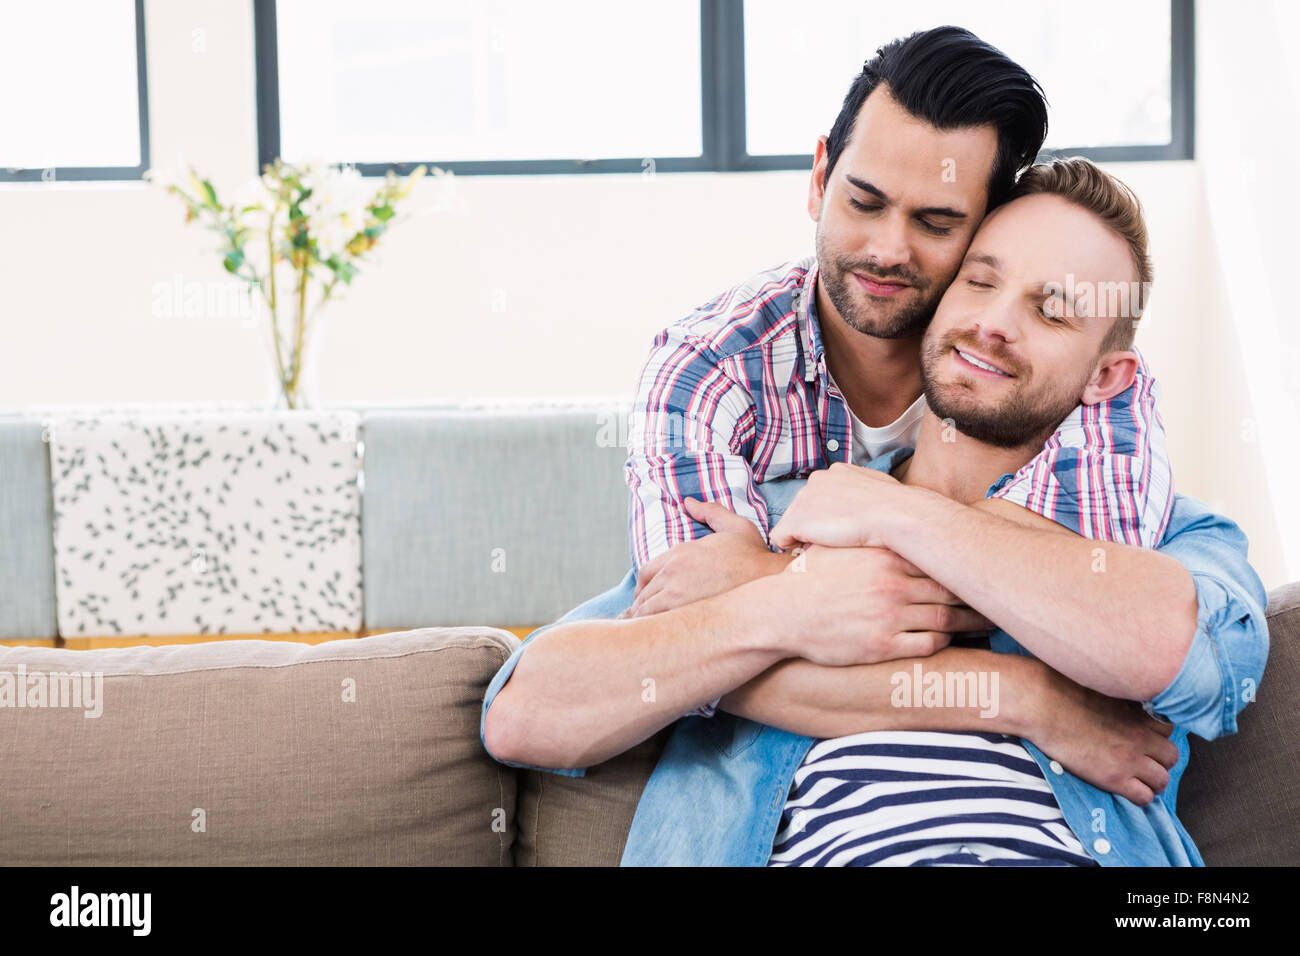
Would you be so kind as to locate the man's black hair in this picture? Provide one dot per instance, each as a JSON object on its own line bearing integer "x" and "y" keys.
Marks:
{"x": 952, "y": 79}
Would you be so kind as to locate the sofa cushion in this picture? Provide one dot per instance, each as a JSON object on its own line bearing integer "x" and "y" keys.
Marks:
{"x": 207, "y": 523}
{"x": 355, "y": 751}
{"x": 1240, "y": 795}
{"x": 510, "y": 517}
{"x": 583, "y": 821}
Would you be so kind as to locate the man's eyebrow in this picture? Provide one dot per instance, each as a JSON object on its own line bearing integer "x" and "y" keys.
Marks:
{"x": 947, "y": 212}
{"x": 987, "y": 259}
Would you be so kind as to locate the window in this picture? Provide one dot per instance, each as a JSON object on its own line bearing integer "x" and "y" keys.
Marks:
{"x": 509, "y": 86}
{"x": 1116, "y": 85}
{"x": 75, "y": 106}
{"x": 514, "y": 86}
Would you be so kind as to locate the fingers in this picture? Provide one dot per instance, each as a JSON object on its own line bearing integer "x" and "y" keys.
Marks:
{"x": 1153, "y": 775}
{"x": 782, "y": 537}
{"x": 652, "y": 605}
{"x": 916, "y": 644}
{"x": 1137, "y": 791}
{"x": 1163, "y": 751}
{"x": 908, "y": 568}
{"x": 925, "y": 590}
{"x": 1162, "y": 728}
{"x": 940, "y": 617}
{"x": 716, "y": 516}
{"x": 650, "y": 569}
{"x": 639, "y": 604}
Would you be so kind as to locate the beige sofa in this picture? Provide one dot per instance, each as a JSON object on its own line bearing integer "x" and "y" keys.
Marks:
{"x": 367, "y": 752}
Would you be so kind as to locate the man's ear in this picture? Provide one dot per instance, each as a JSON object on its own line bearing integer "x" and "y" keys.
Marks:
{"x": 1115, "y": 372}
{"x": 816, "y": 191}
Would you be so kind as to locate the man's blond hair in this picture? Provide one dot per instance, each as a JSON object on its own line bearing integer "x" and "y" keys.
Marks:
{"x": 1082, "y": 182}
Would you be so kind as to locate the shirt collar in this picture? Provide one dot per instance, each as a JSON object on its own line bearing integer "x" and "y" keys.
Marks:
{"x": 810, "y": 337}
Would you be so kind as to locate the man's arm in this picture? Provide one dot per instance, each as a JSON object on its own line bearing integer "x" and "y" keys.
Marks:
{"x": 1110, "y": 743}
{"x": 588, "y": 690}
{"x": 1113, "y": 617}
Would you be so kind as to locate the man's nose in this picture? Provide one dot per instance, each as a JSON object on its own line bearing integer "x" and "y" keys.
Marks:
{"x": 887, "y": 246}
{"x": 999, "y": 319}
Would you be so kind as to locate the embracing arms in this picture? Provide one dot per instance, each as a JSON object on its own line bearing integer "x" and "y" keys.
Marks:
{"x": 1181, "y": 628}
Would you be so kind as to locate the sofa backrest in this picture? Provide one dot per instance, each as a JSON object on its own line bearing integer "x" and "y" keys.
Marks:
{"x": 505, "y": 517}
{"x": 236, "y": 753}
{"x": 501, "y": 514}
{"x": 1240, "y": 795}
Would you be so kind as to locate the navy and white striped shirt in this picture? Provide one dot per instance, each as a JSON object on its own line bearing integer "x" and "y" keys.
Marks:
{"x": 911, "y": 798}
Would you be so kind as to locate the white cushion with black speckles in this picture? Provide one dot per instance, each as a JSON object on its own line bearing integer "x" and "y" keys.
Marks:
{"x": 206, "y": 524}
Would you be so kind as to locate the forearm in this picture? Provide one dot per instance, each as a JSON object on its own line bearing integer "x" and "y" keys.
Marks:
{"x": 1115, "y": 618}
{"x": 586, "y": 691}
{"x": 981, "y": 690}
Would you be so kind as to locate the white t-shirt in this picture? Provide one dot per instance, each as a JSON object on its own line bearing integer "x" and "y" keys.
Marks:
{"x": 869, "y": 442}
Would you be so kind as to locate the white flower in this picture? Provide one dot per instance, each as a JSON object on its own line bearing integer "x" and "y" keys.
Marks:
{"x": 253, "y": 193}
{"x": 336, "y": 208}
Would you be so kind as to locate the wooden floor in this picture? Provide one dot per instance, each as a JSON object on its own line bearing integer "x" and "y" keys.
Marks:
{"x": 92, "y": 643}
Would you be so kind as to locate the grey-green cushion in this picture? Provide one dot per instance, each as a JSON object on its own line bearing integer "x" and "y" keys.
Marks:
{"x": 506, "y": 517}
{"x": 26, "y": 532}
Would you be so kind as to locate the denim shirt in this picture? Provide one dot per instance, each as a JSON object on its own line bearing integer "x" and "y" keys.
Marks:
{"x": 716, "y": 795}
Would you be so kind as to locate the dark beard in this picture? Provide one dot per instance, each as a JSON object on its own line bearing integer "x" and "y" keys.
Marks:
{"x": 909, "y": 323}
{"x": 1026, "y": 421}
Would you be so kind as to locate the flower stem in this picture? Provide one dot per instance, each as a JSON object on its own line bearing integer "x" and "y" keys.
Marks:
{"x": 275, "y": 318}
{"x": 301, "y": 324}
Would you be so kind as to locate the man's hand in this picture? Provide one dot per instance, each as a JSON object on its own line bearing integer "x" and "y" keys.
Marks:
{"x": 693, "y": 570}
{"x": 1112, "y": 744}
{"x": 843, "y": 506}
{"x": 845, "y": 606}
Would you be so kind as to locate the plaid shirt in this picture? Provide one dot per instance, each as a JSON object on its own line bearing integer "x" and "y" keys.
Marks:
{"x": 738, "y": 393}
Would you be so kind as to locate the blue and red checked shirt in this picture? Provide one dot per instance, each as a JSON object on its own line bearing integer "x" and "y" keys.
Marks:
{"x": 738, "y": 393}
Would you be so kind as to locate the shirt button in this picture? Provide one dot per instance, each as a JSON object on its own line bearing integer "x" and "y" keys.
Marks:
{"x": 832, "y": 445}
{"x": 1056, "y": 767}
{"x": 1101, "y": 845}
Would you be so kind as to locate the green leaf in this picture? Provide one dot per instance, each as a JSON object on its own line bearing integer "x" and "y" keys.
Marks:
{"x": 210, "y": 193}
{"x": 384, "y": 213}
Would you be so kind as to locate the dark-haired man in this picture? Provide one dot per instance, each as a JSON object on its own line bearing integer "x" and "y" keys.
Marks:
{"x": 820, "y": 362}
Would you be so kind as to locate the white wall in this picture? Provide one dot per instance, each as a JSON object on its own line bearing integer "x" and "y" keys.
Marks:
{"x": 1248, "y": 138}
{"x": 546, "y": 286}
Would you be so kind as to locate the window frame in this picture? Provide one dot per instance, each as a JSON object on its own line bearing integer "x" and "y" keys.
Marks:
{"x": 10, "y": 174}
{"x": 722, "y": 87}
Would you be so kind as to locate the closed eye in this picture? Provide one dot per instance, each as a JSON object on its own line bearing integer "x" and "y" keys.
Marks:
{"x": 927, "y": 226}
{"x": 1052, "y": 310}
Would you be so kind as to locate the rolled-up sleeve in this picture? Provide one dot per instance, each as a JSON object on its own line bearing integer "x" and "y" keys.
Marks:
{"x": 494, "y": 687}
{"x": 1225, "y": 663}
